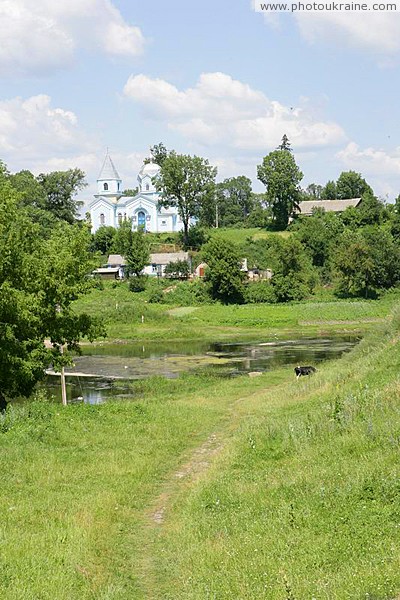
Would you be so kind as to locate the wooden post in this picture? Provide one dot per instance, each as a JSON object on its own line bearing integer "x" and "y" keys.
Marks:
{"x": 63, "y": 388}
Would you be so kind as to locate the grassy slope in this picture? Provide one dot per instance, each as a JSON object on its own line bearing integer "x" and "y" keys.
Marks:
{"x": 122, "y": 311}
{"x": 301, "y": 501}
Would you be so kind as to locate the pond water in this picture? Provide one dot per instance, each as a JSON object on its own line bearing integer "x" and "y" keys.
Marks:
{"x": 93, "y": 377}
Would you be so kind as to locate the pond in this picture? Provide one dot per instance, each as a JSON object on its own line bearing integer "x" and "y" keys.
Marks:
{"x": 93, "y": 376}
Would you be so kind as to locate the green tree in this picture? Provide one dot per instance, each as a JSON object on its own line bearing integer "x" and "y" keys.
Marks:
{"x": 281, "y": 176}
{"x": 187, "y": 183}
{"x": 137, "y": 255}
{"x": 285, "y": 144}
{"x": 366, "y": 261}
{"x": 329, "y": 191}
{"x": 60, "y": 188}
{"x": 39, "y": 278}
{"x": 234, "y": 200}
{"x": 178, "y": 269}
{"x": 319, "y": 233}
{"x": 103, "y": 239}
{"x": 158, "y": 154}
{"x": 224, "y": 273}
{"x": 123, "y": 237}
{"x": 293, "y": 276}
{"x": 351, "y": 185}
{"x": 314, "y": 191}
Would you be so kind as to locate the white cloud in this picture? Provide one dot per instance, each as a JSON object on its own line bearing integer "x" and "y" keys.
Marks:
{"x": 369, "y": 160}
{"x": 379, "y": 167}
{"x": 222, "y": 111}
{"x": 41, "y": 36}
{"x": 377, "y": 31}
{"x": 32, "y": 129}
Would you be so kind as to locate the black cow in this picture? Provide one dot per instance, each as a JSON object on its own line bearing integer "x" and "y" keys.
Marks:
{"x": 304, "y": 371}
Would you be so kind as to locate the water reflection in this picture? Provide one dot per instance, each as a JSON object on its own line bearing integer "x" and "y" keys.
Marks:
{"x": 99, "y": 366}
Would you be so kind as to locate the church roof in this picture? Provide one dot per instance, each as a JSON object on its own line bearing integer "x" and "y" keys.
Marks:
{"x": 108, "y": 170}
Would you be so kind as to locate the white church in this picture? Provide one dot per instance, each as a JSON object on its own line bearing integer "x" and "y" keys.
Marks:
{"x": 111, "y": 207}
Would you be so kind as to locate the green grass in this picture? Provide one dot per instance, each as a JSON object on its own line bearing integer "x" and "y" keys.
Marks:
{"x": 239, "y": 236}
{"x": 295, "y": 495}
{"x": 303, "y": 500}
{"x": 76, "y": 483}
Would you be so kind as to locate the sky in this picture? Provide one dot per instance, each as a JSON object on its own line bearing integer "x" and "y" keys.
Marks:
{"x": 213, "y": 78}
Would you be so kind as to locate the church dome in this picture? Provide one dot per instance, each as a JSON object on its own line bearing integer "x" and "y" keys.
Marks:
{"x": 145, "y": 177}
{"x": 151, "y": 169}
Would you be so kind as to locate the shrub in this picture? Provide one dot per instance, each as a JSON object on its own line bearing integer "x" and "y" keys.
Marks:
{"x": 137, "y": 284}
{"x": 259, "y": 291}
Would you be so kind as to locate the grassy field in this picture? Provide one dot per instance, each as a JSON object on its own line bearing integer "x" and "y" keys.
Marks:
{"x": 122, "y": 313}
{"x": 201, "y": 488}
{"x": 239, "y": 236}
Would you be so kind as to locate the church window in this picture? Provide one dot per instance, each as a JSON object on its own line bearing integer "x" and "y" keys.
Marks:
{"x": 105, "y": 187}
{"x": 118, "y": 185}
{"x": 147, "y": 187}
{"x": 102, "y": 219}
{"x": 124, "y": 216}
{"x": 119, "y": 218}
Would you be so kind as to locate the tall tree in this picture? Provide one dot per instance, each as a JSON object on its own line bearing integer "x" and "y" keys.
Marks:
{"x": 234, "y": 201}
{"x": 224, "y": 270}
{"x": 138, "y": 254}
{"x": 186, "y": 182}
{"x": 351, "y": 185}
{"x": 281, "y": 176}
{"x": 61, "y": 187}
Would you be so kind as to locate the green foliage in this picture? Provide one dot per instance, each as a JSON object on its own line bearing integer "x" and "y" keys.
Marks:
{"x": 187, "y": 183}
{"x": 137, "y": 283}
{"x": 177, "y": 270}
{"x": 260, "y": 291}
{"x": 60, "y": 188}
{"x": 103, "y": 239}
{"x": 352, "y": 185}
{"x": 329, "y": 192}
{"x": 190, "y": 293}
{"x": 281, "y": 176}
{"x": 158, "y": 154}
{"x": 234, "y": 201}
{"x": 196, "y": 237}
{"x": 319, "y": 233}
{"x": 366, "y": 261}
{"x": 224, "y": 271}
{"x": 137, "y": 254}
{"x": 293, "y": 276}
{"x": 39, "y": 278}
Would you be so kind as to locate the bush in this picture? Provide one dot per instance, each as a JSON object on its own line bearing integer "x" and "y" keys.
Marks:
{"x": 137, "y": 284}
{"x": 156, "y": 296}
{"x": 258, "y": 292}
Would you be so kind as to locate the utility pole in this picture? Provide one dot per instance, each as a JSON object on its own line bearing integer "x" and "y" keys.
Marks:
{"x": 216, "y": 214}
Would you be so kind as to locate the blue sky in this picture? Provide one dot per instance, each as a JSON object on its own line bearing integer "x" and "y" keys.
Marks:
{"x": 211, "y": 78}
